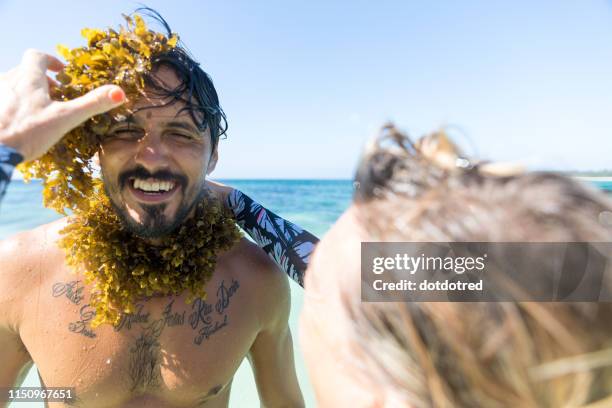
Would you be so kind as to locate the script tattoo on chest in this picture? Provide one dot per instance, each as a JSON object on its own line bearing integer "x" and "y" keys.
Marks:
{"x": 73, "y": 290}
{"x": 145, "y": 355}
{"x": 204, "y": 321}
{"x": 204, "y": 318}
{"x": 81, "y": 326}
{"x": 127, "y": 320}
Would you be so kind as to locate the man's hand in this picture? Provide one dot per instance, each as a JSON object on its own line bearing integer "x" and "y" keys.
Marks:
{"x": 30, "y": 121}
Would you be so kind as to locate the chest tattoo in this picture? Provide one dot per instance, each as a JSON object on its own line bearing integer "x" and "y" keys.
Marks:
{"x": 204, "y": 318}
{"x": 146, "y": 354}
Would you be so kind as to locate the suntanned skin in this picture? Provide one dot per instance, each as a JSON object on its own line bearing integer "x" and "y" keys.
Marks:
{"x": 168, "y": 353}
{"x": 185, "y": 357}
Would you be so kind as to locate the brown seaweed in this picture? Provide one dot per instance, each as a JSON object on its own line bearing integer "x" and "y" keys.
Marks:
{"x": 119, "y": 266}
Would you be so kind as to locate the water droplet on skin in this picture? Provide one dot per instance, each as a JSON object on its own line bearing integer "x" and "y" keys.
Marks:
{"x": 108, "y": 361}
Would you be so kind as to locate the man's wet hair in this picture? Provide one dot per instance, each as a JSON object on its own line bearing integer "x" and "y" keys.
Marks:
{"x": 195, "y": 89}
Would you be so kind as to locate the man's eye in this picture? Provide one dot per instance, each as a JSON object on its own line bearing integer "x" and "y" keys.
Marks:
{"x": 179, "y": 135}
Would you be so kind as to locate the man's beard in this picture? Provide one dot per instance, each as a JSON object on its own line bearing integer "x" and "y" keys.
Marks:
{"x": 154, "y": 223}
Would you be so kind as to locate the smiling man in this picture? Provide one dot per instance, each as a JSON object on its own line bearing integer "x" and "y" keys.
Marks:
{"x": 168, "y": 352}
{"x": 154, "y": 163}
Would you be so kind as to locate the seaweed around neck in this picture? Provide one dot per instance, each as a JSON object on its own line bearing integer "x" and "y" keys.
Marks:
{"x": 123, "y": 267}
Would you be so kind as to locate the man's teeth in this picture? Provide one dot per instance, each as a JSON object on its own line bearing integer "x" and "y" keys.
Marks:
{"x": 153, "y": 185}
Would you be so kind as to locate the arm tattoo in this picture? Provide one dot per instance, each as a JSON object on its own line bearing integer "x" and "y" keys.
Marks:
{"x": 287, "y": 244}
{"x": 9, "y": 158}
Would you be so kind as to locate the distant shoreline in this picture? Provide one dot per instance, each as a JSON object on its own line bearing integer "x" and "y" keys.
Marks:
{"x": 595, "y": 178}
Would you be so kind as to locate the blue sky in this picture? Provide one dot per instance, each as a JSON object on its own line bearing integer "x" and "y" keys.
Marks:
{"x": 306, "y": 83}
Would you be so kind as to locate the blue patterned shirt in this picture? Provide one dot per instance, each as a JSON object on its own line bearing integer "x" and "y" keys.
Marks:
{"x": 289, "y": 245}
{"x": 9, "y": 158}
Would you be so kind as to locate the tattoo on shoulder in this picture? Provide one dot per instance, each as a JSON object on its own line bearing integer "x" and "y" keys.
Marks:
{"x": 73, "y": 290}
{"x": 81, "y": 326}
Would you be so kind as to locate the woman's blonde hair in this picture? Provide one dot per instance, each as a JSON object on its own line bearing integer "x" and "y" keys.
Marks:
{"x": 506, "y": 354}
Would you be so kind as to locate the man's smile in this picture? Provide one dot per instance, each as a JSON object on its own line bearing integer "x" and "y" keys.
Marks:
{"x": 151, "y": 190}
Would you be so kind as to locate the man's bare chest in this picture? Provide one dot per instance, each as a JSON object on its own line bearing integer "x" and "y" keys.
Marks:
{"x": 167, "y": 348}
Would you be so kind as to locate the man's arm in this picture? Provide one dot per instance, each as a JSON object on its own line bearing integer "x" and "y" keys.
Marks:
{"x": 14, "y": 357}
{"x": 271, "y": 355}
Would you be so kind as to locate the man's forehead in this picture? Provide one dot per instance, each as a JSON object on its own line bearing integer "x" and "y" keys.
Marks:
{"x": 158, "y": 109}
{"x": 166, "y": 77}
{"x": 160, "y": 93}
{"x": 159, "y": 114}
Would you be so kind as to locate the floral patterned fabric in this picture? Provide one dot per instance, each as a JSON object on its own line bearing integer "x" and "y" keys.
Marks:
{"x": 287, "y": 244}
{"x": 9, "y": 158}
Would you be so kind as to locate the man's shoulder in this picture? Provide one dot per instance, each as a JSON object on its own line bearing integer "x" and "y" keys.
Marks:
{"x": 260, "y": 274}
{"x": 26, "y": 260}
{"x": 28, "y": 241}
{"x": 27, "y": 251}
{"x": 251, "y": 262}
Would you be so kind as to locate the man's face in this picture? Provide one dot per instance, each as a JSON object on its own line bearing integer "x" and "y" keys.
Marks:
{"x": 155, "y": 162}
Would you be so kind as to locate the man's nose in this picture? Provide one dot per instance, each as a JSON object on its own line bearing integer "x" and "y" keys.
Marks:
{"x": 151, "y": 152}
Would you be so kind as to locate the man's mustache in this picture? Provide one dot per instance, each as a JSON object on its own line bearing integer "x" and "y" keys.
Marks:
{"x": 142, "y": 173}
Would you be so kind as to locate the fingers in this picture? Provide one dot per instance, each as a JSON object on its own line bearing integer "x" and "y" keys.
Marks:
{"x": 73, "y": 113}
{"x": 34, "y": 59}
{"x": 39, "y": 61}
{"x": 54, "y": 64}
{"x": 52, "y": 83}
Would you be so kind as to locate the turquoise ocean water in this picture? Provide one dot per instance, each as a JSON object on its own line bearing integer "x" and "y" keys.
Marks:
{"x": 604, "y": 185}
{"x": 312, "y": 204}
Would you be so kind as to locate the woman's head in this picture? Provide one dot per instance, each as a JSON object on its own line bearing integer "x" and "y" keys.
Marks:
{"x": 455, "y": 354}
